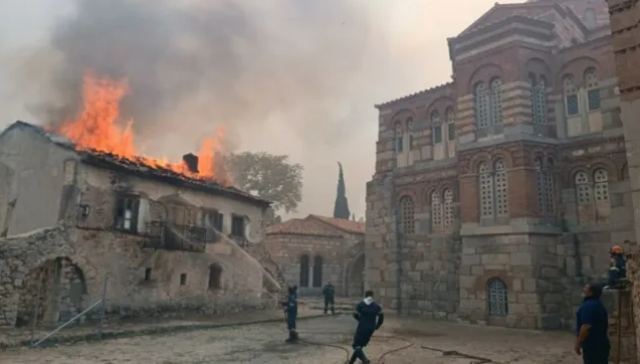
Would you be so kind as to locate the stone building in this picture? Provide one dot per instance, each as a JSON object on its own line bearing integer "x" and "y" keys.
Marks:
{"x": 71, "y": 219}
{"x": 625, "y": 29}
{"x": 315, "y": 250}
{"x": 498, "y": 194}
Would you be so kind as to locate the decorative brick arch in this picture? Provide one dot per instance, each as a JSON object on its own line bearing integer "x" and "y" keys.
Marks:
{"x": 401, "y": 117}
{"x": 484, "y": 73}
{"x": 576, "y": 68}
{"x": 537, "y": 66}
{"x": 440, "y": 104}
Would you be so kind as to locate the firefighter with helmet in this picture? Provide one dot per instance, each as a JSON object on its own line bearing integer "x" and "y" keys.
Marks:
{"x": 617, "y": 267}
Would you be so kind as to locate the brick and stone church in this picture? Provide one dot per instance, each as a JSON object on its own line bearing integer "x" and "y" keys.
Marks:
{"x": 496, "y": 196}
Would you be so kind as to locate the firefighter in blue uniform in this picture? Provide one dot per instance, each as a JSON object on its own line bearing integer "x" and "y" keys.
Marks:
{"x": 370, "y": 317}
{"x": 291, "y": 312}
{"x": 592, "y": 341}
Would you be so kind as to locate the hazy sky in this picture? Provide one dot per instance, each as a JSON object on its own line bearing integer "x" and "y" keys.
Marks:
{"x": 293, "y": 77}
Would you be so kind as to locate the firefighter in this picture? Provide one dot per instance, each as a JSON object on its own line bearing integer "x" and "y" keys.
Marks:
{"x": 329, "y": 292}
{"x": 370, "y": 317}
{"x": 617, "y": 267}
{"x": 592, "y": 341}
{"x": 291, "y": 313}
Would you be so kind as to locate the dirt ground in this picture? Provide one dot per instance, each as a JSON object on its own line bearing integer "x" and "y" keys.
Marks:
{"x": 326, "y": 341}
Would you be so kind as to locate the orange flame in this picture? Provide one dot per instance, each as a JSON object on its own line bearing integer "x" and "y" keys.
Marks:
{"x": 96, "y": 128}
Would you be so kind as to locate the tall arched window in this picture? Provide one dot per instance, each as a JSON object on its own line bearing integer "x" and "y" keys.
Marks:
{"x": 593, "y": 90}
{"x": 538, "y": 98}
{"x": 436, "y": 210}
{"x": 410, "y": 132}
{"x": 304, "y": 271}
{"x": 398, "y": 138}
{"x": 450, "y": 119}
{"x": 448, "y": 208}
{"x": 497, "y": 297}
{"x": 486, "y": 191}
{"x": 481, "y": 103}
{"x": 215, "y": 277}
{"x": 407, "y": 219}
{"x": 601, "y": 184}
{"x": 436, "y": 127}
{"x": 583, "y": 188}
{"x": 495, "y": 102}
{"x": 545, "y": 186}
{"x": 570, "y": 96}
{"x": 317, "y": 271}
{"x": 502, "y": 200}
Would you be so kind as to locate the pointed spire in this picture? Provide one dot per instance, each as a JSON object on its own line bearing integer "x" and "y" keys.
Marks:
{"x": 341, "y": 208}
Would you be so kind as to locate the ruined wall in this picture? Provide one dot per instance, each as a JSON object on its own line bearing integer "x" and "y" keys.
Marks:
{"x": 140, "y": 281}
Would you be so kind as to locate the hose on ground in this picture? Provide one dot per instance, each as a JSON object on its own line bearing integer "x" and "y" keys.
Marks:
{"x": 480, "y": 360}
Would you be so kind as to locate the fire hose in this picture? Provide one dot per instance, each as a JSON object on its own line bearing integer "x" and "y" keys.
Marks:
{"x": 480, "y": 360}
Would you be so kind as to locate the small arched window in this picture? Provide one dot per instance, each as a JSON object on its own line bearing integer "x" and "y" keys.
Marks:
{"x": 410, "y": 132}
{"x": 317, "y": 271}
{"x": 215, "y": 277}
{"x": 583, "y": 188}
{"x": 570, "y": 96}
{"x": 495, "y": 102}
{"x": 601, "y": 184}
{"x": 545, "y": 186}
{"x": 593, "y": 90}
{"x": 497, "y": 297}
{"x": 448, "y": 208}
{"x": 304, "y": 271}
{"x": 481, "y": 104}
{"x": 407, "y": 219}
{"x": 538, "y": 89}
{"x": 436, "y": 210}
{"x": 450, "y": 118}
{"x": 550, "y": 181}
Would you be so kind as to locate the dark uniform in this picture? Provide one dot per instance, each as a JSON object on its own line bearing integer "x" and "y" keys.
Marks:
{"x": 291, "y": 309}
{"x": 370, "y": 317}
{"x": 595, "y": 349}
{"x": 617, "y": 269}
{"x": 329, "y": 294}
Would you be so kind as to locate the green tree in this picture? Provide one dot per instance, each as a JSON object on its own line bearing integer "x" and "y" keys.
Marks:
{"x": 268, "y": 176}
{"x": 341, "y": 208}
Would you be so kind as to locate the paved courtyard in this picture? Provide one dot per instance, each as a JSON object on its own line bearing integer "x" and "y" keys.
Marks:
{"x": 326, "y": 341}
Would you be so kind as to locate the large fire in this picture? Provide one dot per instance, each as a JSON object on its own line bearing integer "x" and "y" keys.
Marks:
{"x": 98, "y": 127}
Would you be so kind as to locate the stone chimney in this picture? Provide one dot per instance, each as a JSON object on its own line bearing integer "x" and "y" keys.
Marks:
{"x": 191, "y": 161}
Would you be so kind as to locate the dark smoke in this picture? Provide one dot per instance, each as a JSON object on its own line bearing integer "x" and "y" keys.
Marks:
{"x": 195, "y": 64}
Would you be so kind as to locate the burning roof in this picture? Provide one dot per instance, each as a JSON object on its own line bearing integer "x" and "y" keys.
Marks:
{"x": 139, "y": 166}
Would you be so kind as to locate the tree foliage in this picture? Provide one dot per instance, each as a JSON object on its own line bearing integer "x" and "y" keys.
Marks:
{"x": 271, "y": 177}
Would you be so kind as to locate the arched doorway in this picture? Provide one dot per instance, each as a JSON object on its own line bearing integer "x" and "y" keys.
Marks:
{"x": 53, "y": 292}
{"x": 355, "y": 277}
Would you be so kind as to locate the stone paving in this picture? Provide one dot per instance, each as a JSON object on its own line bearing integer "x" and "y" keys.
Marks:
{"x": 264, "y": 343}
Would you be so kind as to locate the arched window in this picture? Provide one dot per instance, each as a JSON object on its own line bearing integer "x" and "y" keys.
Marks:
{"x": 486, "y": 191}
{"x": 497, "y": 297}
{"x": 593, "y": 90}
{"x": 215, "y": 277}
{"x": 317, "y": 271}
{"x": 538, "y": 89}
{"x": 570, "y": 96}
{"x": 436, "y": 127}
{"x": 450, "y": 119}
{"x": 502, "y": 200}
{"x": 304, "y": 271}
{"x": 583, "y": 188}
{"x": 495, "y": 102}
{"x": 481, "y": 103}
{"x": 436, "y": 210}
{"x": 410, "y": 132}
{"x": 545, "y": 186}
{"x": 407, "y": 222}
{"x": 448, "y": 208}
{"x": 398, "y": 137}
{"x": 601, "y": 184}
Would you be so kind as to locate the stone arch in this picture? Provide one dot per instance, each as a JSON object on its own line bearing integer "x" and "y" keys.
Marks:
{"x": 401, "y": 116}
{"x": 440, "y": 104}
{"x": 576, "y": 68}
{"x": 52, "y": 292}
{"x": 538, "y": 66}
{"x": 484, "y": 73}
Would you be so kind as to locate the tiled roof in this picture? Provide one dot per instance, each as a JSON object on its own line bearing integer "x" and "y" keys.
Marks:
{"x": 138, "y": 167}
{"x": 317, "y": 226}
{"x": 419, "y": 93}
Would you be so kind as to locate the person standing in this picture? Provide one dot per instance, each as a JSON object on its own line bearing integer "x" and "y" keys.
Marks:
{"x": 291, "y": 312}
{"x": 592, "y": 323}
{"x": 329, "y": 292}
{"x": 370, "y": 318}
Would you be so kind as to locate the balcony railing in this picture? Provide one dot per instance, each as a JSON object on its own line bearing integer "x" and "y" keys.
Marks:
{"x": 164, "y": 235}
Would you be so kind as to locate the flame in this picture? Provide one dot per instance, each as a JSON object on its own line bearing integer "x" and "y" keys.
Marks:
{"x": 97, "y": 128}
